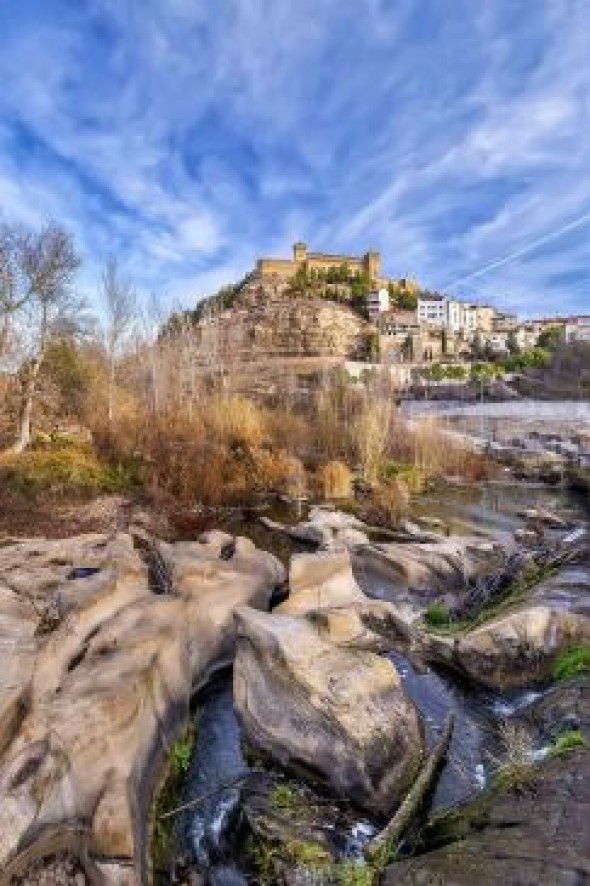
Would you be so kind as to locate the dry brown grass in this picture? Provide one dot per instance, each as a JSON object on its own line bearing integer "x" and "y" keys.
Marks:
{"x": 234, "y": 420}
{"x": 389, "y": 503}
{"x": 335, "y": 480}
{"x": 516, "y": 768}
{"x": 202, "y": 440}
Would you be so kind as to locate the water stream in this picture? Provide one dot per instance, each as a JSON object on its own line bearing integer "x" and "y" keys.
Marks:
{"x": 209, "y": 839}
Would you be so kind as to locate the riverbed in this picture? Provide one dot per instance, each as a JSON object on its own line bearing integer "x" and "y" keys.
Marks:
{"x": 211, "y": 839}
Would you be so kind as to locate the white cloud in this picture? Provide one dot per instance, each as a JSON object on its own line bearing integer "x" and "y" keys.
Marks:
{"x": 190, "y": 136}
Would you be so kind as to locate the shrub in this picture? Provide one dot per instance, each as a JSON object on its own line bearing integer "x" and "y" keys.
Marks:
{"x": 335, "y": 480}
{"x": 437, "y": 614}
{"x": 371, "y": 438}
{"x": 573, "y": 662}
{"x": 412, "y": 475}
{"x": 278, "y": 472}
{"x": 389, "y": 503}
{"x": 516, "y": 771}
{"x": 66, "y": 469}
{"x": 235, "y": 420}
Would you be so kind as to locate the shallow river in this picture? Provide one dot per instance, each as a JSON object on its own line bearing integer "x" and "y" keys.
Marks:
{"x": 209, "y": 838}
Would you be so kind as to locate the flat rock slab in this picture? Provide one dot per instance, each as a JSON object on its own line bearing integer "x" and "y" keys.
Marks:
{"x": 538, "y": 838}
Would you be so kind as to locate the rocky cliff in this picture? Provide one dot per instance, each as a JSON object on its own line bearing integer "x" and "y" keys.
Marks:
{"x": 267, "y": 320}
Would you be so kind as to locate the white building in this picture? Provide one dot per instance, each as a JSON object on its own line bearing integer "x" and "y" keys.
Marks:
{"x": 455, "y": 319}
{"x": 455, "y": 315}
{"x": 577, "y": 329}
{"x": 470, "y": 321}
{"x": 377, "y": 303}
{"x": 432, "y": 310}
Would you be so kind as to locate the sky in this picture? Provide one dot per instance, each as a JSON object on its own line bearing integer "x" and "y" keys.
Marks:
{"x": 189, "y": 137}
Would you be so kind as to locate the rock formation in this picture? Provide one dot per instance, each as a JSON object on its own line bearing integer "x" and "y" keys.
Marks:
{"x": 267, "y": 320}
{"x": 97, "y": 673}
{"x": 538, "y": 837}
{"x": 339, "y": 713}
{"x": 519, "y": 648}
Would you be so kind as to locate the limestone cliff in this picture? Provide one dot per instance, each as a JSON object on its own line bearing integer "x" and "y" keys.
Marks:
{"x": 267, "y": 320}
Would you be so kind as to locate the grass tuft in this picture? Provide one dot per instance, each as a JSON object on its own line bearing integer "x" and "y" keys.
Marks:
{"x": 572, "y": 663}
{"x": 568, "y": 741}
{"x": 178, "y": 763}
{"x": 516, "y": 771}
{"x": 283, "y": 797}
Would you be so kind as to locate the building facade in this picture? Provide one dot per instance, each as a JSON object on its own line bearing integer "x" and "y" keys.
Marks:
{"x": 432, "y": 310}
{"x": 456, "y": 316}
{"x": 577, "y": 329}
{"x": 377, "y": 302}
{"x": 369, "y": 263}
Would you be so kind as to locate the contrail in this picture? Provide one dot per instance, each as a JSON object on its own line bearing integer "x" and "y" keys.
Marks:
{"x": 520, "y": 252}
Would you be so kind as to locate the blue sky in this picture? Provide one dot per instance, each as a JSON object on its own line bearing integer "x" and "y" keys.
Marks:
{"x": 190, "y": 136}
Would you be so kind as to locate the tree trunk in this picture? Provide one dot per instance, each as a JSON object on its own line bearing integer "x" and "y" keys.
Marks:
{"x": 111, "y": 392}
{"x": 28, "y": 400}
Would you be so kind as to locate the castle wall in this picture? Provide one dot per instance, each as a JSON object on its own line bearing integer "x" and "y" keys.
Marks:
{"x": 281, "y": 266}
{"x": 319, "y": 261}
{"x": 326, "y": 263}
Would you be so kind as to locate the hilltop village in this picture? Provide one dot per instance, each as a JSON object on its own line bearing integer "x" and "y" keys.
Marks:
{"x": 344, "y": 306}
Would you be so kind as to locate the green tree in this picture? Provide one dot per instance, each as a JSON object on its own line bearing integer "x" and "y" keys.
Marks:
{"x": 551, "y": 338}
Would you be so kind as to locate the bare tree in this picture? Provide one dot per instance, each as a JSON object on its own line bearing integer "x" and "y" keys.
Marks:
{"x": 37, "y": 269}
{"x": 120, "y": 305}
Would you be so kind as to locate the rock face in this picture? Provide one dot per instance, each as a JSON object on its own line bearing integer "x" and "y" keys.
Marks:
{"x": 268, "y": 321}
{"x": 97, "y": 673}
{"x": 340, "y": 713}
{"x": 541, "y": 837}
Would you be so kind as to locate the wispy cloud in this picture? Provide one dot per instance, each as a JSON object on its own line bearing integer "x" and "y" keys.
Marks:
{"x": 190, "y": 136}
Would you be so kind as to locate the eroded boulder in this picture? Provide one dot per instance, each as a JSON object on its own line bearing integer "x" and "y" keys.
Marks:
{"x": 446, "y": 564}
{"x": 519, "y": 648}
{"x": 94, "y": 702}
{"x": 320, "y": 581}
{"x": 339, "y": 713}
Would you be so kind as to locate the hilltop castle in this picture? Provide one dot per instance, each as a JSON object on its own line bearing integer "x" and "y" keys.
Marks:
{"x": 369, "y": 264}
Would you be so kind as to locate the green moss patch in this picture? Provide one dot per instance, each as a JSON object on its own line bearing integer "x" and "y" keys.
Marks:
{"x": 572, "y": 663}
{"x": 568, "y": 741}
{"x": 178, "y": 764}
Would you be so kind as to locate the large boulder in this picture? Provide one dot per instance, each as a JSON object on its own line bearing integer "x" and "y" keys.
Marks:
{"x": 323, "y": 588}
{"x": 519, "y": 648}
{"x": 337, "y": 712}
{"x": 104, "y": 673}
